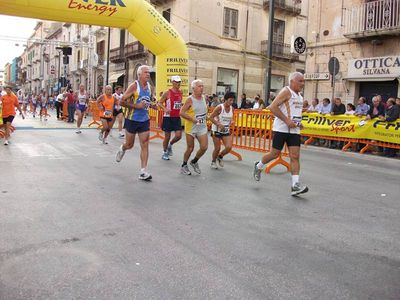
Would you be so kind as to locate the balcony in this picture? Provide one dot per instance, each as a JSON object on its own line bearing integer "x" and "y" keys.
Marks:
{"x": 83, "y": 64}
{"x": 280, "y": 51}
{"x": 117, "y": 55}
{"x": 373, "y": 19}
{"x": 292, "y": 7}
{"x": 134, "y": 50}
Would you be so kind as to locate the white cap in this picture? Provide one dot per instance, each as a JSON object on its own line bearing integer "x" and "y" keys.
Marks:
{"x": 176, "y": 78}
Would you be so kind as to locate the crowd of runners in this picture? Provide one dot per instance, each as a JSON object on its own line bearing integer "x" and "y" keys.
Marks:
{"x": 189, "y": 116}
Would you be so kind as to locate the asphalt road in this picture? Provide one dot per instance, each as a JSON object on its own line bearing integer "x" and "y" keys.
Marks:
{"x": 77, "y": 225}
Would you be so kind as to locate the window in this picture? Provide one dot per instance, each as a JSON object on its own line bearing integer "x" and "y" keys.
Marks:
{"x": 230, "y": 22}
{"x": 167, "y": 15}
{"x": 122, "y": 38}
{"x": 227, "y": 81}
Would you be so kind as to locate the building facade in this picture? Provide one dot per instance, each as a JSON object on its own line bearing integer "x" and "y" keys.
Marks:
{"x": 364, "y": 37}
{"x": 227, "y": 42}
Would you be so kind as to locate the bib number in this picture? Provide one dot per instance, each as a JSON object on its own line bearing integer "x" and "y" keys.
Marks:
{"x": 177, "y": 105}
{"x": 108, "y": 113}
{"x": 296, "y": 119}
{"x": 201, "y": 119}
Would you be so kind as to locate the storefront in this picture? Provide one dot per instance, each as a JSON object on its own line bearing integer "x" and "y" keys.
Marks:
{"x": 374, "y": 76}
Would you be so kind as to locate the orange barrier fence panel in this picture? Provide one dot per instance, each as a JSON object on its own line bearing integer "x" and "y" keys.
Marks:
{"x": 65, "y": 111}
{"x": 156, "y": 117}
{"x": 96, "y": 112}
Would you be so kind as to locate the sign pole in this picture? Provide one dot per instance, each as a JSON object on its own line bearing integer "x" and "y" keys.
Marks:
{"x": 333, "y": 80}
{"x": 269, "y": 58}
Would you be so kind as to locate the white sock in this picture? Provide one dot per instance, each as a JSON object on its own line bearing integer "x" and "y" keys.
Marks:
{"x": 143, "y": 170}
{"x": 260, "y": 165}
{"x": 295, "y": 179}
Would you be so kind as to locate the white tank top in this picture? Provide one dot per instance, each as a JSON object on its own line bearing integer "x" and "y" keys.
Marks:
{"x": 118, "y": 98}
{"x": 82, "y": 98}
{"x": 225, "y": 118}
{"x": 291, "y": 109}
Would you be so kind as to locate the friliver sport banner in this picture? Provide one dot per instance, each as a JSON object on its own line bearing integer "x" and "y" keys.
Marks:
{"x": 351, "y": 127}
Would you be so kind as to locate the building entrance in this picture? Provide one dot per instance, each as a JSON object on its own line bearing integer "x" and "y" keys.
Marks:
{"x": 386, "y": 89}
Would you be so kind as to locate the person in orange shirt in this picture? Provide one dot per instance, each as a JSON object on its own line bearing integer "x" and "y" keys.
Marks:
{"x": 106, "y": 104}
{"x": 9, "y": 102}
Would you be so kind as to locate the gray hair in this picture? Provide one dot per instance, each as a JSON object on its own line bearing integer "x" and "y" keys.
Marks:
{"x": 140, "y": 69}
{"x": 196, "y": 82}
{"x": 294, "y": 75}
{"x": 108, "y": 86}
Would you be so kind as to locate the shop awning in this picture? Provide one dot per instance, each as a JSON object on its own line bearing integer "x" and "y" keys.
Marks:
{"x": 114, "y": 77}
{"x": 391, "y": 78}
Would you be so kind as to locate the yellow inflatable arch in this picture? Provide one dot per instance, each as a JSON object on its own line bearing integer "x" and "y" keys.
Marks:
{"x": 138, "y": 16}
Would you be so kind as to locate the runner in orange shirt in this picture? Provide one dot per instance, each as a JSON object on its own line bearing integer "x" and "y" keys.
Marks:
{"x": 9, "y": 103}
{"x": 106, "y": 104}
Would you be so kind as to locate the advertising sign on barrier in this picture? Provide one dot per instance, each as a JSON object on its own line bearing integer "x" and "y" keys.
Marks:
{"x": 351, "y": 127}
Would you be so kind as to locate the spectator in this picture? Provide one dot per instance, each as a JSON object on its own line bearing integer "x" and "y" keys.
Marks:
{"x": 314, "y": 107}
{"x": 215, "y": 101}
{"x": 350, "y": 109}
{"x": 306, "y": 106}
{"x": 392, "y": 113}
{"x": 362, "y": 107}
{"x": 325, "y": 107}
{"x": 258, "y": 103}
{"x": 338, "y": 107}
{"x": 376, "y": 110}
{"x": 71, "y": 105}
{"x": 246, "y": 104}
{"x": 398, "y": 102}
{"x": 243, "y": 101}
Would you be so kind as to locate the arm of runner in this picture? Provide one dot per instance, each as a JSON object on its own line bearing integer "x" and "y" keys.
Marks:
{"x": 99, "y": 101}
{"x": 128, "y": 94}
{"x": 19, "y": 108}
{"x": 215, "y": 113}
{"x": 282, "y": 97}
{"x": 162, "y": 101}
{"x": 185, "y": 108}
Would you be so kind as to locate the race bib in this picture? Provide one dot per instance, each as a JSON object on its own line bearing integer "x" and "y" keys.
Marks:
{"x": 108, "y": 113}
{"x": 296, "y": 119}
{"x": 146, "y": 101}
{"x": 177, "y": 105}
{"x": 201, "y": 119}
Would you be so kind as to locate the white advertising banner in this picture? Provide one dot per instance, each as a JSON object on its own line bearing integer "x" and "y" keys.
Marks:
{"x": 387, "y": 67}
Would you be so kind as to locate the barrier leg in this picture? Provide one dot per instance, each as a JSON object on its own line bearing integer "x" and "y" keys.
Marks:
{"x": 309, "y": 141}
{"x": 366, "y": 148}
{"x": 347, "y": 146}
{"x": 276, "y": 162}
{"x": 234, "y": 153}
{"x": 157, "y": 135}
{"x": 95, "y": 123}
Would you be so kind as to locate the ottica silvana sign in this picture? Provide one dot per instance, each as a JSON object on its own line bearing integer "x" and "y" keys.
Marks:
{"x": 374, "y": 67}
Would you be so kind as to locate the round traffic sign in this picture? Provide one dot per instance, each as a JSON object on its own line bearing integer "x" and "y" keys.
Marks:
{"x": 333, "y": 66}
{"x": 299, "y": 45}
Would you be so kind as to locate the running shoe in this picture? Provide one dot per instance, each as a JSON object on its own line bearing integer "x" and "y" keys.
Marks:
{"x": 214, "y": 165}
{"x": 185, "y": 170}
{"x": 78, "y": 131}
{"x": 120, "y": 154}
{"x": 169, "y": 150}
{"x": 256, "y": 172}
{"x": 220, "y": 162}
{"x": 299, "y": 189}
{"x": 6, "y": 143}
{"x": 121, "y": 135}
{"x": 145, "y": 176}
{"x": 196, "y": 167}
{"x": 105, "y": 141}
{"x": 165, "y": 156}
{"x": 100, "y": 136}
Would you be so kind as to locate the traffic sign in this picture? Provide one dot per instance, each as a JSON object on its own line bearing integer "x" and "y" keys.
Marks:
{"x": 316, "y": 76}
{"x": 333, "y": 66}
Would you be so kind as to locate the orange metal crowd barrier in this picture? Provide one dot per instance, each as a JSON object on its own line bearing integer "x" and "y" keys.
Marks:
{"x": 65, "y": 110}
{"x": 96, "y": 112}
{"x": 156, "y": 118}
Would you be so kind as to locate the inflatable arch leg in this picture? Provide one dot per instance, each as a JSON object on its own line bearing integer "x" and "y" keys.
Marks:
{"x": 138, "y": 16}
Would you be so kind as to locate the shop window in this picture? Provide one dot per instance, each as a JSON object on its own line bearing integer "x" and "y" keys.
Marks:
{"x": 227, "y": 81}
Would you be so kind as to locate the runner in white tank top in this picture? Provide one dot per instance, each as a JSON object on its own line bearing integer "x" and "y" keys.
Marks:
{"x": 221, "y": 118}
{"x": 287, "y": 108}
{"x": 82, "y": 100}
{"x": 118, "y": 113}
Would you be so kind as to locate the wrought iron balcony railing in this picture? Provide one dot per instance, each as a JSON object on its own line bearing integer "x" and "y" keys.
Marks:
{"x": 289, "y": 6}
{"x": 279, "y": 51}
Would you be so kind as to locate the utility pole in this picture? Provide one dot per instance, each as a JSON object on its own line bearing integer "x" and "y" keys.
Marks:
{"x": 108, "y": 55}
{"x": 269, "y": 56}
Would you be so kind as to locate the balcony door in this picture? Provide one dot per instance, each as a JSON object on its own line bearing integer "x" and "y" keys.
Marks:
{"x": 278, "y": 37}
